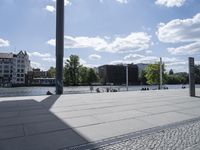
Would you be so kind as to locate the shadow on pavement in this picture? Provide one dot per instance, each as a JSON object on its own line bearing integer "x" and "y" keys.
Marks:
{"x": 30, "y": 125}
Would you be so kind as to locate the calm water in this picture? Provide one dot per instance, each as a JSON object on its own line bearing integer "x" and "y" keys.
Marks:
{"x": 33, "y": 91}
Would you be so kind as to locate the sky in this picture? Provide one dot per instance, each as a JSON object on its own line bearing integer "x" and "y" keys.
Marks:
{"x": 104, "y": 31}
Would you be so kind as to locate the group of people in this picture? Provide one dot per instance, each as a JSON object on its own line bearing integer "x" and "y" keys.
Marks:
{"x": 98, "y": 90}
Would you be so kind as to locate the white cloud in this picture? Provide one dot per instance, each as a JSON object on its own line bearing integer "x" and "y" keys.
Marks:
{"x": 94, "y": 57}
{"x": 188, "y": 49}
{"x": 181, "y": 31}
{"x": 133, "y": 56}
{"x": 84, "y": 63}
{"x": 175, "y": 31}
{"x": 36, "y": 65}
{"x": 122, "y": 1}
{"x": 38, "y": 54}
{"x": 148, "y": 52}
{"x": 4, "y": 43}
{"x": 170, "y": 3}
{"x": 137, "y": 58}
{"x": 119, "y": 1}
{"x": 49, "y": 59}
{"x": 133, "y": 42}
{"x": 50, "y": 8}
{"x": 171, "y": 63}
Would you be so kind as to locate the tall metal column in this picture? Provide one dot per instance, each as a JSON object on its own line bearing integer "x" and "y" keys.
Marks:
{"x": 161, "y": 71}
{"x": 191, "y": 76}
{"x": 59, "y": 45}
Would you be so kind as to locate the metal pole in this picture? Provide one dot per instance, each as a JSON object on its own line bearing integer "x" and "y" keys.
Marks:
{"x": 161, "y": 70}
{"x": 127, "y": 77}
{"x": 191, "y": 76}
{"x": 59, "y": 45}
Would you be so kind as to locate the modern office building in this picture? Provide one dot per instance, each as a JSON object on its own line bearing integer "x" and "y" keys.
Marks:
{"x": 14, "y": 68}
{"x": 116, "y": 74}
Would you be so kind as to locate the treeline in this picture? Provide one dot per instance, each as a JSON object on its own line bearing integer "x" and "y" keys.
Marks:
{"x": 151, "y": 75}
{"x": 75, "y": 73}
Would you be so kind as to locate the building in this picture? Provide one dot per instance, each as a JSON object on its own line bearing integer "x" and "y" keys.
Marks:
{"x": 35, "y": 73}
{"x": 116, "y": 74}
{"x": 14, "y": 68}
{"x": 37, "y": 77}
{"x": 44, "y": 81}
{"x": 6, "y": 68}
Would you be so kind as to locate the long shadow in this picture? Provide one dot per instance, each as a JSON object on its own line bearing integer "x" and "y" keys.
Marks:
{"x": 30, "y": 125}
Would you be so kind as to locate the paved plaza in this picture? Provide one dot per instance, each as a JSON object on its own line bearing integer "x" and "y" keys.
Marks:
{"x": 167, "y": 119}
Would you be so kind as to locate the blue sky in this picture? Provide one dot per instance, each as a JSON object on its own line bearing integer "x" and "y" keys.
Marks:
{"x": 104, "y": 31}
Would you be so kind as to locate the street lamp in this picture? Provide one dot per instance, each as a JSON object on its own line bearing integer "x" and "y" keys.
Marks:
{"x": 59, "y": 45}
{"x": 126, "y": 65}
{"x": 161, "y": 71}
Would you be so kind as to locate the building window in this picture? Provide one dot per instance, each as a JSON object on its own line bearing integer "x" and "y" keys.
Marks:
{"x": 6, "y": 71}
{"x": 18, "y": 70}
{"x": 6, "y": 66}
{"x": 18, "y": 75}
{"x": 22, "y": 70}
{"x": 22, "y": 75}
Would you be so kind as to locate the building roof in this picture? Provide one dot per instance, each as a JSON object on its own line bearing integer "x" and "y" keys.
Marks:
{"x": 6, "y": 55}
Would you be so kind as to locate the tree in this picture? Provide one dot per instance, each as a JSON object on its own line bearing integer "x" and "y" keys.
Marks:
{"x": 92, "y": 76}
{"x": 83, "y": 75}
{"x": 71, "y": 70}
{"x": 142, "y": 78}
{"x": 153, "y": 74}
{"x": 171, "y": 72}
{"x": 51, "y": 73}
{"x": 175, "y": 79}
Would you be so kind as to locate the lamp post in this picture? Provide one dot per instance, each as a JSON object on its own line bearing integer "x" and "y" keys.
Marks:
{"x": 161, "y": 71}
{"x": 126, "y": 76}
{"x": 191, "y": 76}
{"x": 59, "y": 45}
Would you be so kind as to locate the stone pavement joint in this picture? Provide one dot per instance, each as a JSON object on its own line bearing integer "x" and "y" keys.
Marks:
{"x": 177, "y": 136}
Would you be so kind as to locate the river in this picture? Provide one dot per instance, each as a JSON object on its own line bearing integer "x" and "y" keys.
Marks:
{"x": 34, "y": 91}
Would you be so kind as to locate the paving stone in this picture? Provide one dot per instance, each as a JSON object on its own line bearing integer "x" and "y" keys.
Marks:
{"x": 165, "y": 118}
{"x": 70, "y": 120}
{"x": 47, "y": 141}
{"x": 111, "y": 129}
{"x": 179, "y": 136}
{"x": 120, "y": 115}
{"x": 11, "y": 132}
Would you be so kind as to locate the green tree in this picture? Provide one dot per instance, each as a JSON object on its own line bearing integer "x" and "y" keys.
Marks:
{"x": 153, "y": 74}
{"x": 92, "y": 76}
{"x": 142, "y": 78}
{"x": 83, "y": 75}
{"x": 71, "y": 70}
{"x": 67, "y": 78}
{"x": 51, "y": 73}
{"x": 175, "y": 79}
